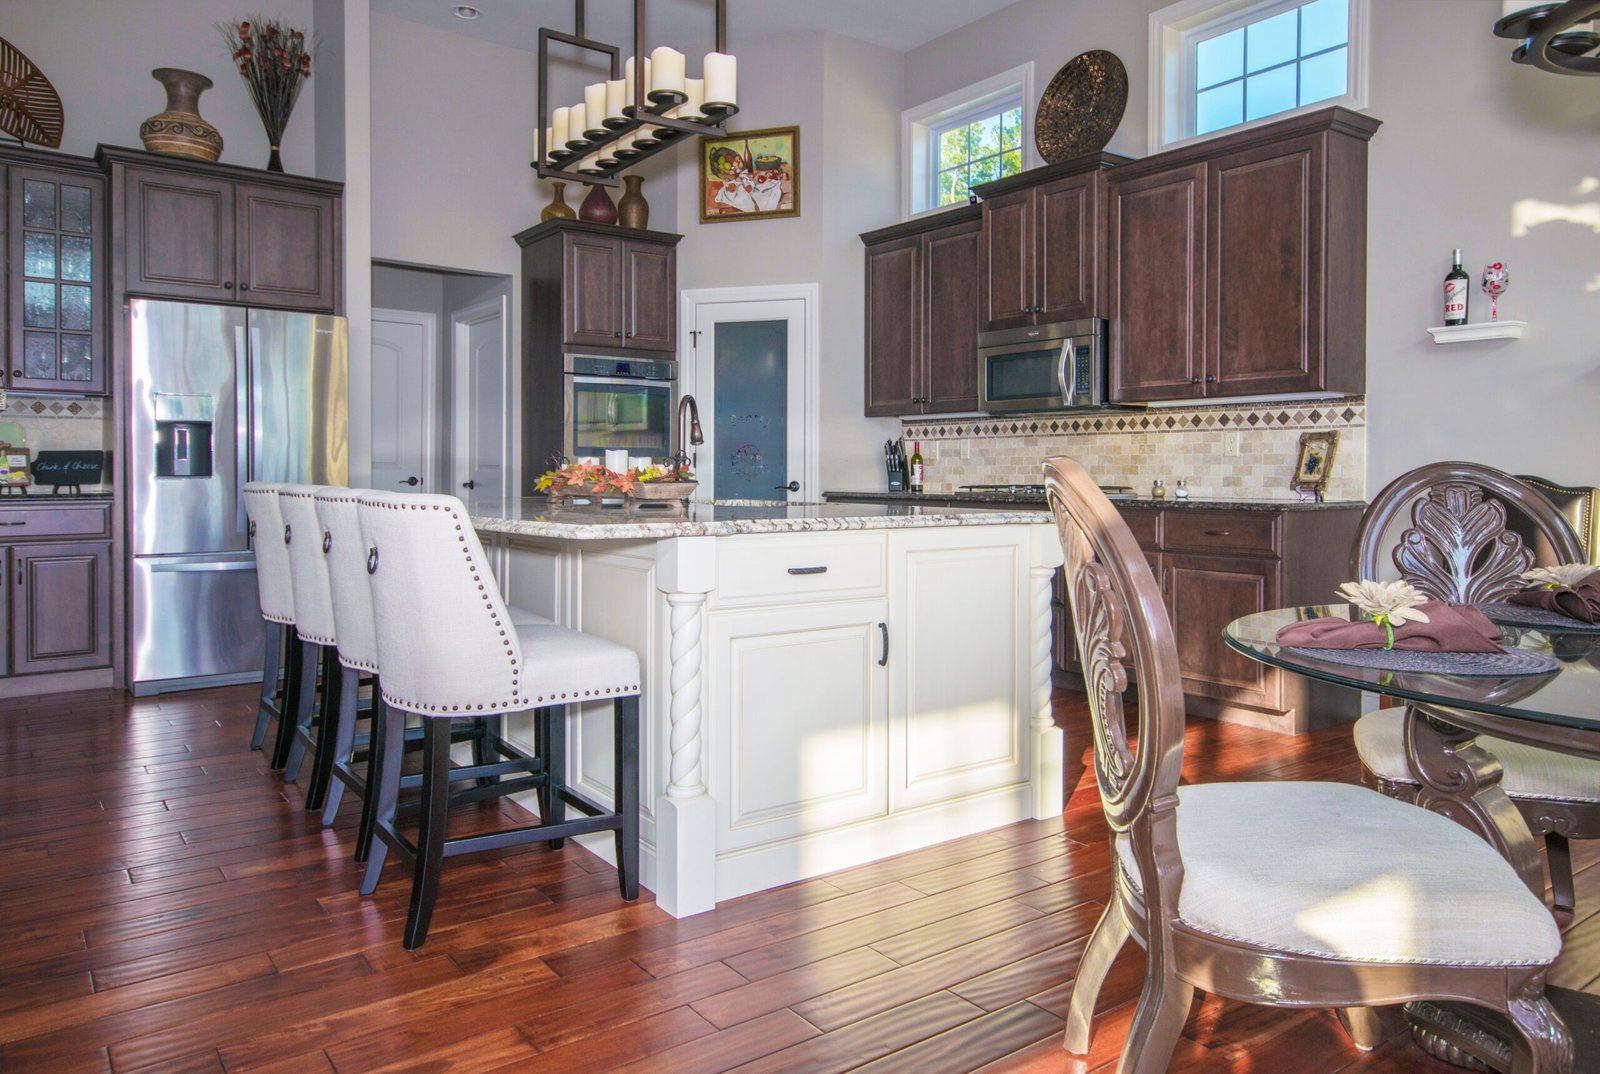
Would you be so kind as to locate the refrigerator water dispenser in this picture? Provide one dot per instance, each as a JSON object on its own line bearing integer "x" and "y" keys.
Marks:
{"x": 183, "y": 435}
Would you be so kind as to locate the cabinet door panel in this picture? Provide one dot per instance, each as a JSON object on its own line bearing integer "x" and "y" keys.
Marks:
{"x": 1067, "y": 248}
{"x": 286, "y": 241}
{"x": 894, "y": 327}
{"x": 951, "y": 262}
{"x": 1264, "y": 269}
{"x": 56, "y": 291}
{"x": 1007, "y": 287}
{"x": 650, "y": 291}
{"x": 180, "y": 236}
{"x": 62, "y": 606}
{"x": 1156, "y": 240}
{"x": 1205, "y": 594}
{"x": 593, "y": 275}
{"x": 801, "y": 735}
{"x": 5, "y": 611}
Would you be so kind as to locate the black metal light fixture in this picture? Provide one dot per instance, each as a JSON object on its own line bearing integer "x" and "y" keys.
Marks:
{"x": 1556, "y": 37}
{"x": 615, "y": 133}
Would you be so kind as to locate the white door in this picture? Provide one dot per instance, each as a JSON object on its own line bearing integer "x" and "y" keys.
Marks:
{"x": 749, "y": 362}
{"x": 478, "y": 462}
{"x": 402, "y": 400}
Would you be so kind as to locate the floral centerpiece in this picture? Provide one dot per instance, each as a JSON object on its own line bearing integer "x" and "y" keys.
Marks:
{"x": 274, "y": 61}
{"x": 658, "y": 483}
{"x": 585, "y": 479}
{"x": 1388, "y": 604}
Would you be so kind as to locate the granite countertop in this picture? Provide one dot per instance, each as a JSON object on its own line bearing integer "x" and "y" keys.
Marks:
{"x": 1036, "y": 501}
{"x": 35, "y": 498}
{"x": 534, "y": 518}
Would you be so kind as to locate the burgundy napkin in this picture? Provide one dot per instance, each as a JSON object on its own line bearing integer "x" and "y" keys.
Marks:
{"x": 1451, "y": 628}
{"x": 1579, "y": 601}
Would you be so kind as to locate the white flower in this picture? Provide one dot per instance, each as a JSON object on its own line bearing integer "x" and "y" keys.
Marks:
{"x": 1561, "y": 574}
{"x": 1394, "y": 602}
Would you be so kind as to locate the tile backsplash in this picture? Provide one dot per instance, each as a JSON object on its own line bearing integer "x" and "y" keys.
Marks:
{"x": 1136, "y": 447}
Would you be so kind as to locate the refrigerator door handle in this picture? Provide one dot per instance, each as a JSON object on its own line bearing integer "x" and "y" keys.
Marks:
{"x": 199, "y": 566}
{"x": 241, "y": 425}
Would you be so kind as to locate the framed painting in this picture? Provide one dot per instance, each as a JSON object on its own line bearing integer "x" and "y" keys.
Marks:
{"x": 751, "y": 175}
{"x": 1315, "y": 463}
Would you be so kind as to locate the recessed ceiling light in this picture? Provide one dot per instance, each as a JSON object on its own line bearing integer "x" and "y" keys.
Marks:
{"x": 466, "y": 11}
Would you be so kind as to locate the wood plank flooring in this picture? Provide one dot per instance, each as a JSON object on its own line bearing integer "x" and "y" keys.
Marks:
{"x": 168, "y": 905}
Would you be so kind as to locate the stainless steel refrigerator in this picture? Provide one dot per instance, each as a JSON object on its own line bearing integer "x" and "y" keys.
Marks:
{"x": 220, "y": 395}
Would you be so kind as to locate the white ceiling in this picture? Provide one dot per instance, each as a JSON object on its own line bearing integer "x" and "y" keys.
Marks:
{"x": 687, "y": 24}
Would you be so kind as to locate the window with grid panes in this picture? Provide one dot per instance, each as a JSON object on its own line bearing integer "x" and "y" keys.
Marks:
{"x": 1276, "y": 63}
{"x": 976, "y": 151}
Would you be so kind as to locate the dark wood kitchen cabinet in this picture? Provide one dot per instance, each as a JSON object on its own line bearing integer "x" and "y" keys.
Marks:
{"x": 922, "y": 315}
{"x": 1237, "y": 266}
{"x": 55, "y": 598}
{"x": 54, "y": 235}
{"x": 1042, "y": 242}
{"x": 219, "y": 233}
{"x": 618, "y": 292}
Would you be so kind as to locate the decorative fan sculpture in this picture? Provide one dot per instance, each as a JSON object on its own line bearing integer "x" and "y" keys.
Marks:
{"x": 30, "y": 108}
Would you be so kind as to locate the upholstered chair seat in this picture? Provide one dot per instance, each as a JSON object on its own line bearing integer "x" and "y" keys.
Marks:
{"x": 314, "y": 624}
{"x": 1292, "y": 866}
{"x": 1531, "y": 773}
{"x": 275, "y": 595}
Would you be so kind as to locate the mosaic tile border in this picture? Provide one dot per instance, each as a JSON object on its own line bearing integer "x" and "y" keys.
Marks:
{"x": 1341, "y": 413}
{"x": 18, "y": 407}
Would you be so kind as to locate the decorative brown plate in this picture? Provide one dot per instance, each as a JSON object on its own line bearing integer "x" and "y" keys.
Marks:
{"x": 1082, "y": 106}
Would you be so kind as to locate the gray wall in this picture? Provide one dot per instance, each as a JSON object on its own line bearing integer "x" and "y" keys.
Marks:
{"x": 1468, "y": 137}
{"x": 99, "y": 55}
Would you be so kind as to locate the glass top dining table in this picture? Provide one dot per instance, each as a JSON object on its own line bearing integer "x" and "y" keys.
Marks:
{"x": 1568, "y": 697}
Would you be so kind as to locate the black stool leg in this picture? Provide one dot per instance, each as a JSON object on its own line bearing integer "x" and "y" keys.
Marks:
{"x": 430, "y": 837}
{"x": 305, "y": 708}
{"x": 269, "y": 684}
{"x": 625, "y": 753}
{"x": 369, "y": 801}
{"x": 483, "y": 751}
{"x": 383, "y": 788}
{"x": 555, "y": 766}
{"x": 294, "y": 677}
{"x": 335, "y": 740}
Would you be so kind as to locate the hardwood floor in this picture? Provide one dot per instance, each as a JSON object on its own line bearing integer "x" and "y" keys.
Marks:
{"x": 169, "y": 906}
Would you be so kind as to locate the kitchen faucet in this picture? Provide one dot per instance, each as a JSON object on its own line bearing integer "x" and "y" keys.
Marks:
{"x": 689, "y": 426}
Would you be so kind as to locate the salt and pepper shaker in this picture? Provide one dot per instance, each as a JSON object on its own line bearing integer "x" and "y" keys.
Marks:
{"x": 1158, "y": 490}
{"x": 1181, "y": 492}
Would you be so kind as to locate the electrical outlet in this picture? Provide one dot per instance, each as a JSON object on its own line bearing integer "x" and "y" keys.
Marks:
{"x": 1230, "y": 443}
{"x": 966, "y": 449}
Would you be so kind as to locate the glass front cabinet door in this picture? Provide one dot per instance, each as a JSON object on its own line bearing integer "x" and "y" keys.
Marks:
{"x": 55, "y": 320}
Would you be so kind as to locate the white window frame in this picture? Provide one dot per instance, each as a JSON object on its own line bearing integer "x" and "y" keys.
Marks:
{"x": 1174, "y": 31}
{"x": 919, "y": 127}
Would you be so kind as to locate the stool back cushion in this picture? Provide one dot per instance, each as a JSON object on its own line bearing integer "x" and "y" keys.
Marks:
{"x": 446, "y": 645}
{"x": 275, "y": 591}
{"x": 347, "y": 578}
{"x": 308, "y": 567}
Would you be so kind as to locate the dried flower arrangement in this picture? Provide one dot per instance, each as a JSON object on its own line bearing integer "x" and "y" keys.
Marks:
{"x": 274, "y": 60}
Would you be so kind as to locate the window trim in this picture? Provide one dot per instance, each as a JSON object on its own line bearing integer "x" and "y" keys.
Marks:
{"x": 1173, "y": 32}
{"x": 918, "y": 126}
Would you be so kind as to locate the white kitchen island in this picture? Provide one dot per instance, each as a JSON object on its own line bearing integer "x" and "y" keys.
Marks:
{"x": 823, "y": 685}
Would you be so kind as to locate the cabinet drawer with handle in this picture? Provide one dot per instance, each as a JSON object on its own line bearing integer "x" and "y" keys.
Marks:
{"x": 55, "y": 521}
{"x": 818, "y": 566}
{"x": 1204, "y": 530}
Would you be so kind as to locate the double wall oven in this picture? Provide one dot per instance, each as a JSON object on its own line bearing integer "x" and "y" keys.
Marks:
{"x": 617, "y": 403}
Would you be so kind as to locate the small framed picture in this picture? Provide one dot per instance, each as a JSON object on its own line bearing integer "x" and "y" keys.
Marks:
{"x": 1315, "y": 462}
{"x": 752, "y": 175}
{"x": 13, "y": 467}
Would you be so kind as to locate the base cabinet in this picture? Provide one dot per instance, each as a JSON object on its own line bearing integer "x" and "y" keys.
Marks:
{"x": 61, "y": 607}
{"x": 1205, "y": 594}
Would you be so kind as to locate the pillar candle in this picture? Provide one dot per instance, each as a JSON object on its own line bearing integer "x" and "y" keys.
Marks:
{"x": 695, "y": 89}
{"x": 594, "y": 104}
{"x": 559, "y": 120}
{"x": 628, "y": 88}
{"x": 549, "y": 143}
{"x": 722, "y": 78}
{"x": 666, "y": 69}
{"x": 577, "y": 123}
{"x": 616, "y": 97}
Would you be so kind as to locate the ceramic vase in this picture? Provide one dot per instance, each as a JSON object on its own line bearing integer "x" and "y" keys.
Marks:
{"x": 597, "y": 207}
{"x": 179, "y": 131}
{"x": 632, "y": 210}
{"x": 558, "y": 209}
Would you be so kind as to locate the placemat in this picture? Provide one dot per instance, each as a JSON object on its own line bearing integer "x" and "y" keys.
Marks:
{"x": 1522, "y": 615}
{"x": 1504, "y": 664}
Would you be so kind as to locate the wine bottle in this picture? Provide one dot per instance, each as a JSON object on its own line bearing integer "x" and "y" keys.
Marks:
{"x": 1455, "y": 294}
{"x": 916, "y": 466}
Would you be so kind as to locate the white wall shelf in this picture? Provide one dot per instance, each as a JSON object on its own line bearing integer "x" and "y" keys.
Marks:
{"x": 1472, "y": 333}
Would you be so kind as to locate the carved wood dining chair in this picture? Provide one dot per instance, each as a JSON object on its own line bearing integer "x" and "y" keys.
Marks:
{"x": 1246, "y": 889}
{"x": 1461, "y": 539}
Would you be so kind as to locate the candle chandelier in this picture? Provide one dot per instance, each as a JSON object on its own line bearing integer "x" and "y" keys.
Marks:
{"x": 647, "y": 105}
{"x": 1556, "y": 37}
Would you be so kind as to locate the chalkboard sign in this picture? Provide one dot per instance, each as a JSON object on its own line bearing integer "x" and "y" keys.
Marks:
{"x": 69, "y": 467}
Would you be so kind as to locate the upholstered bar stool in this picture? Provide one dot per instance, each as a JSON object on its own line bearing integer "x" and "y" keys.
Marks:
{"x": 275, "y": 594}
{"x": 315, "y": 629}
{"x": 448, "y": 650}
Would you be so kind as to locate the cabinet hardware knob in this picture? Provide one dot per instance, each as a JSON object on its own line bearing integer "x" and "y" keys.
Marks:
{"x": 616, "y": 335}
{"x": 1194, "y": 380}
{"x": 16, "y": 372}
{"x": 244, "y": 287}
{"x": 883, "y": 661}
{"x": 227, "y": 285}
{"x": 1211, "y": 378}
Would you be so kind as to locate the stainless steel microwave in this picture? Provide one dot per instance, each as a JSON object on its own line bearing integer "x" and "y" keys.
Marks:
{"x": 1044, "y": 367}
